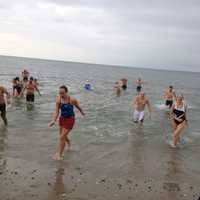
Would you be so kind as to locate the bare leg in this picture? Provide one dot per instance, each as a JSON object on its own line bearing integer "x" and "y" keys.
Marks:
{"x": 3, "y": 116}
{"x": 174, "y": 126}
{"x": 68, "y": 141}
{"x": 63, "y": 136}
{"x": 177, "y": 132}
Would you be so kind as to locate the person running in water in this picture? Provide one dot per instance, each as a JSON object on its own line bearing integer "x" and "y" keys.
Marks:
{"x": 139, "y": 83}
{"x": 65, "y": 110}
{"x": 4, "y": 92}
{"x": 169, "y": 96}
{"x": 139, "y": 104}
{"x": 30, "y": 88}
{"x": 179, "y": 118}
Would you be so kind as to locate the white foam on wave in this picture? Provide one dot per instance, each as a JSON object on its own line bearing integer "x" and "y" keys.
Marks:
{"x": 162, "y": 107}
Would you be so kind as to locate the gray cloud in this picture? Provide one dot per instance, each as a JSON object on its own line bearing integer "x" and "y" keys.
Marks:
{"x": 148, "y": 33}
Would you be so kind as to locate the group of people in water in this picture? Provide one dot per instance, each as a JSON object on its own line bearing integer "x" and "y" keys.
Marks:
{"x": 175, "y": 104}
{"x": 65, "y": 106}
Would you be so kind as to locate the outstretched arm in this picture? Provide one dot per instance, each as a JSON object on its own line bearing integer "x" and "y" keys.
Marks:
{"x": 149, "y": 106}
{"x": 56, "y": 114}
{"x": 37, "y": 90}
{"x": 76, "y": 103}
{"x": 7, "y": 95}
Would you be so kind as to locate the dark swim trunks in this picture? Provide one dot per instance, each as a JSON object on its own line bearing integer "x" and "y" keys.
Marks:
{"x": 30, "y": 97}
{"x": 169, "y": 103}
{"x": 139, "y": 88}
{"x": 124, "y": 87}
{"x": 3, "y": 108}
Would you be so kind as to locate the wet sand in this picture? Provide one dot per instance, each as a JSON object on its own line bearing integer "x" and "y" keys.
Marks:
{"x": 128, "y": 170}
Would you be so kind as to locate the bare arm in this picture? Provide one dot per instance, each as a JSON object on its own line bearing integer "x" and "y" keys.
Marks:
{"x": 149, "y": 106}
{"x": 76, "y": 104}
{"x": 37, "y": 90}
{"x": 7, "y": 95}
{"x": 22, "y": 92}
{"x": 134, "y": 103}
{"x": 174, "y": 95}
{"x": 57, "y": 112}
{"x": 171, "y": 112}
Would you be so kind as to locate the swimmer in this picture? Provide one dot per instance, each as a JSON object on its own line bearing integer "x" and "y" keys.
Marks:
{"x": 3, "y": 101}
{"x": 139, "y": 104}
{"x": 124, "y": 83}
{"x": 118, "y": 88}
{"x": 25, "y": 74}
{"x": 30, "y": 91}
{"x": 139, "y": 83}
{"x": 169, "y": 96}
{"x": 17, "y": 87}
{"x": 65, "y": 107}
{"x": 179, "y": 119}
{"x": 87, "y": 85}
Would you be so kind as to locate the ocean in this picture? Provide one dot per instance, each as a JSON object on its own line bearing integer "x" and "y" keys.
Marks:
{"x": 108, "y": 120}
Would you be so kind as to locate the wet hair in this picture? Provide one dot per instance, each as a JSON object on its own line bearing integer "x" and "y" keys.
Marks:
{"x": 31, "y": 78}
{"x": 180, "y": 96}
{"x": 171, "y": 87}
{"x": 17, "y": 79}
{"x": 64, "y": 88}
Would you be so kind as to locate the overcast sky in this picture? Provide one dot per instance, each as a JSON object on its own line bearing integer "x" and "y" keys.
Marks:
{"x": 162, "y": 34}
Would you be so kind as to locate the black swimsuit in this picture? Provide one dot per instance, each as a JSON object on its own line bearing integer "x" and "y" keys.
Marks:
{"x": 179, "y": 113}
{"x": 139, "y": 88}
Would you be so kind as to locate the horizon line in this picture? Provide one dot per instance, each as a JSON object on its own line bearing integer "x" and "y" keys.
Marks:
{"x": 90, "y": 63}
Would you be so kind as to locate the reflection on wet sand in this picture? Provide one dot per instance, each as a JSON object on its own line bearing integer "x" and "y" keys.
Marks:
{"x": 136, "y": 151}
{"x": 59, "y": 189}
{"x": 172, "y": 177}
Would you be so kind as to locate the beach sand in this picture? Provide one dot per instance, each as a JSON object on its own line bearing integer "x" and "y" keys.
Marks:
{"x": 128, "y": 170}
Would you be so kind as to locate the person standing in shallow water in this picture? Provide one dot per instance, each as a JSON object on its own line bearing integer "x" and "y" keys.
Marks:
{"x": 118, "y": 88}
{"x": 124, "y": 82}
{"x": 30, "y": 88}
{"x": 169, "y": 95}
{"x": 179, "y": 118}
{"x": 139, "y": 84}
{"x": 139, "y": 104}
{"x": 3, "y": 92}
{"x": 65, "y": 108}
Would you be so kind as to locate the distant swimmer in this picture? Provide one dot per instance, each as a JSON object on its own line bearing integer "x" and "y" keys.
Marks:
{"x": 124, "y": 83}
{"x": 3, "y": 101}
{"x": 139, "y": 104}
{"x": 179, "y": 118}
{"x": 65, "y": 111}
{"x": 139, "y": 84}
{"x": 118, "y": 88}
{"x": 169, "y": 95}
{"x": 25, "y": 81}
{"x": 30, "y": 88}
{"x": 88, "y": 86}
{"x": 17, "y": 87}
{"x": 25, "y": 73}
